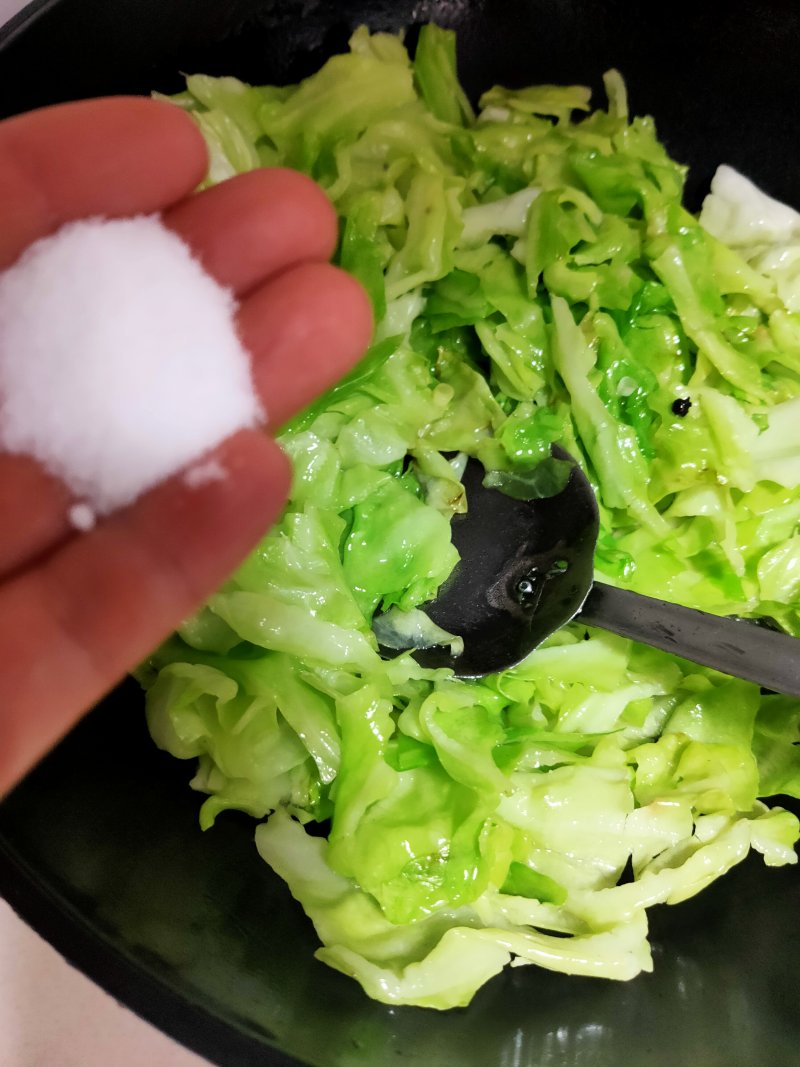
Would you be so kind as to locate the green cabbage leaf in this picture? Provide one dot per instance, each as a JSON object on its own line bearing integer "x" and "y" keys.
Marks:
{"x": 536, "y": 281}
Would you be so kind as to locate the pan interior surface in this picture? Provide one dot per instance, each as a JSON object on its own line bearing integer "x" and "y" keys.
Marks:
{"x": 100, "y": 848}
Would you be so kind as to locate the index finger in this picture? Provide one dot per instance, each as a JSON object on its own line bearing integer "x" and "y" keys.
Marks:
{"x": 117, "y": 156}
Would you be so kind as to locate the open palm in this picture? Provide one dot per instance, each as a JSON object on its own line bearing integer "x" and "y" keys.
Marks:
{"x": 78, "y": 610}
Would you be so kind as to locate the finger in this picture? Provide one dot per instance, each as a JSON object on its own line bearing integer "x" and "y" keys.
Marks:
{"x": 119, "y": 156}
{"x": 72, "y": 627}
{"x": 256, "y": 225}
{"x": 305, "y": 329}
{"x": 34, "y": 506}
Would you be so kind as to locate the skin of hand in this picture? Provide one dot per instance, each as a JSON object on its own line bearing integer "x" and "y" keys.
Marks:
{"x": 79, "y": 610}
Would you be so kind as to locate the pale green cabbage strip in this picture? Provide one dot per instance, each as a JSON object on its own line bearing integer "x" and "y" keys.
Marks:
{"x": 535, "y": 280}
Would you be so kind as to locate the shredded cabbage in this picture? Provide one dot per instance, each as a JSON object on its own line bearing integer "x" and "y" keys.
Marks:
{"x": 535, "y": 280}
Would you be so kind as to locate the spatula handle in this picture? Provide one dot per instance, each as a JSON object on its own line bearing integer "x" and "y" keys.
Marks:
{"x": 739, "y": 648}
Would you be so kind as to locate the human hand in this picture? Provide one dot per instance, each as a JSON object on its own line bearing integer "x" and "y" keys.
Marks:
{"x": 79, "y": 610}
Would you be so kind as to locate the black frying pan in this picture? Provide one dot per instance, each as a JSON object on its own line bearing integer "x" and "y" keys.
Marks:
{"x": 99, "y": 847}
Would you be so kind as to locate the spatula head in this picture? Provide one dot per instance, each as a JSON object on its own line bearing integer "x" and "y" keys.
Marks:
{"x": 526, "y": 568}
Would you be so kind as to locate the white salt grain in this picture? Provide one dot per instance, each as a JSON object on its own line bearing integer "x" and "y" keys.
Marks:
{"x": 82, "y": 517}
{"x": 119, "y": 359}
{"x": 203, "y": 473}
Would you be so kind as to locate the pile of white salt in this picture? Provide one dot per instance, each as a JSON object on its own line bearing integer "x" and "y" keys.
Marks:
{"x": 119, "y": 360}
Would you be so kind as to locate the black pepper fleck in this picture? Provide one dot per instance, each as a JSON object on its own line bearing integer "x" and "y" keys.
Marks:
{"x": 681, "y": 406}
